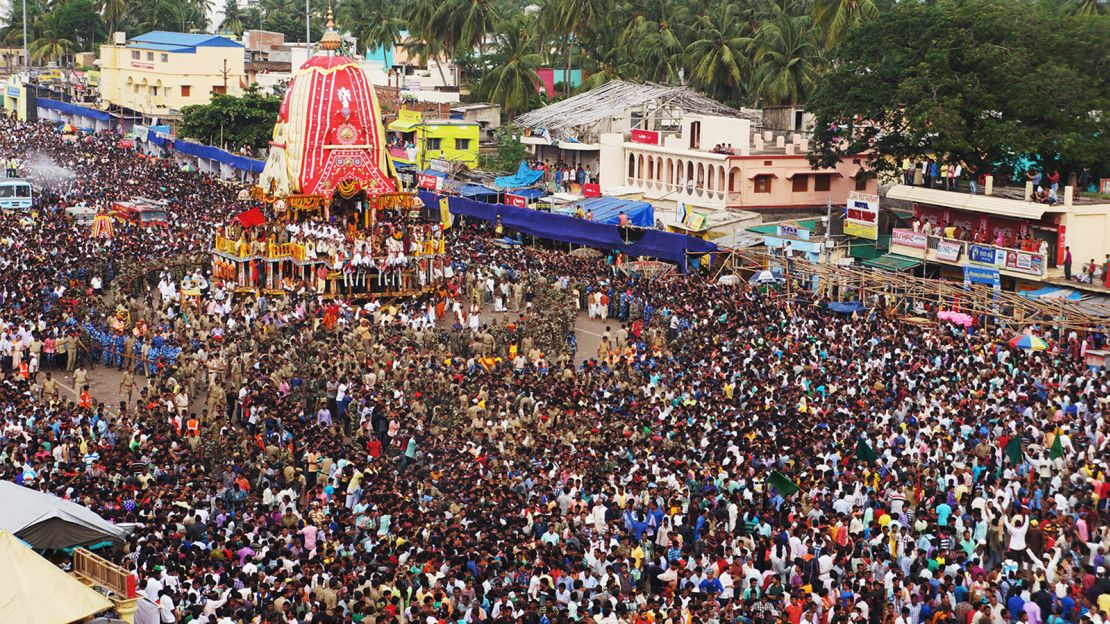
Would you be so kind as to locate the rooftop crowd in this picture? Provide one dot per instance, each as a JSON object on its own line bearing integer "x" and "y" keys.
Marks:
{"x": 311, "y": 460}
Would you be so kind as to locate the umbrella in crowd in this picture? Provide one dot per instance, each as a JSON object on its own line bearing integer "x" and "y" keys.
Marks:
{"x": 1029, "y": 343}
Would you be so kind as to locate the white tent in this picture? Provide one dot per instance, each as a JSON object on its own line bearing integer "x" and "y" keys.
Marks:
{"x": 34, "y": 590}
{"x": 46, "y": 521}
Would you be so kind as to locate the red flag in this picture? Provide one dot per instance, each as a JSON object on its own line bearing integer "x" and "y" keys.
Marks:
{"x": 251, "y": 218}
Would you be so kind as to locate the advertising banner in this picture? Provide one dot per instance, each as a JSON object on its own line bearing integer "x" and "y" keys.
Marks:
{"x": 1025, "y": 262}
{"x": 948, "y": 250}
{"x": 647, "y": 137}
{"x": 862, "y": 218}
{"x": 909, "y": 238}
{"x": 981, "y": 254}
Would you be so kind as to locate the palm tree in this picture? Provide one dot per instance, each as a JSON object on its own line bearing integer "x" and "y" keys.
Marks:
{"x": 574, "y": 18}
{"x": 113, "y": 12}
{"x": 1088, "y": 8}
{"x": 463, "y": 24}
{"x": 423, "y": 51}
{"x": 12, "y": 31}
{"x": 655, "y": 36}
{"x": 785, "y": 61}
{"x": 837, "y": 17}
{"x": 233, "y": 18}
{"x": 373, "y": 22}
{"x": 719, "y": 53}
{"x": 513, "y": 82}
{"x": 50, "y": 46}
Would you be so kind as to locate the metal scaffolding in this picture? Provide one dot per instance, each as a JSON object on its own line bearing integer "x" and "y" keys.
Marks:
{"x": 918, "y": 299}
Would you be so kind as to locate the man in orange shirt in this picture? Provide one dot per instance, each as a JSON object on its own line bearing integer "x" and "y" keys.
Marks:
{"x": 85, "y": 401}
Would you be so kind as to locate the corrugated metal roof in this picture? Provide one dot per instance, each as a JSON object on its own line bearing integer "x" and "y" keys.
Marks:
{"x": 185, "y": 40}
{"x": 164, "y": 47}
{"x": 978, "y": 203}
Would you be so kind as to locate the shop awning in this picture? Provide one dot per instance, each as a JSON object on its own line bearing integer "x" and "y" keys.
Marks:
{"x": 403, "y": 125}
{"x": 893, "y": 262}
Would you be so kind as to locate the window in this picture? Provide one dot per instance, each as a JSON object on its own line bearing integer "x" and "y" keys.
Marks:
{"x": 695, "y": 135}
{"x": 431, "y": 144}
{"x": 861, "y": 182}
{"x": 135, "y": 55}
{"x": 150, "y": 56}
{"x": 462, "y": 144}
{"x": 800, "y": 183}
{"x": 184, "y": 90}
{"x": 165, "y": 58}
{"x": 154, "y": 91}
{"x": 822, "y": 182}
{"x": 219, "y": 90}
{"x": 762, "y": 184}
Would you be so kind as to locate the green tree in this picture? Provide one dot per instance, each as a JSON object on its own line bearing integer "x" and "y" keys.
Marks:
{"x": 573, "y": 19}
{"x": 113, "y": 12}
{"x": 375, "y": 23}
{"x": 510, "y": 151}
{"x": 424, "y": 42}
{"x": 232, "y": 22}
{"x": 994, "y": 84}
{"x": 12, "y": 32}
{"x": 50, "y": 45}
{"x": 838, "y": 17}
{"x": 1085, "y": 8}
{"x": 513, "y": 83}
{"x": 656, "y": 37}
{"x": 463, "y": 24}
{"x": 785, "y": 61}
{"x": 232, "y": 121}
{"x": 719, "y": 53}
{"x": 79, "y": 21}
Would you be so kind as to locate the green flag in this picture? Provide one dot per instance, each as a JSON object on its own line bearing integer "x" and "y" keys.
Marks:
{"x": 865, "y": 452}
{"x": 784, "y": 485}
{"x": 1013, "y": 450}
{"x": 1057, "y": 450}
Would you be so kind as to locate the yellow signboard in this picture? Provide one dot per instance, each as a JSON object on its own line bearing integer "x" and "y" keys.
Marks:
{"x": 861, "y": 230}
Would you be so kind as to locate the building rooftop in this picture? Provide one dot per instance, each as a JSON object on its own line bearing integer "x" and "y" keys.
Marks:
{"x": 181, "y": 43}
{"x": 583, "y": 116}
{"x": 1006, "y": 203}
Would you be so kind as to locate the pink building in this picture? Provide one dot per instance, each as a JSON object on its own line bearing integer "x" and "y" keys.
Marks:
{"x": 720, "y": 163}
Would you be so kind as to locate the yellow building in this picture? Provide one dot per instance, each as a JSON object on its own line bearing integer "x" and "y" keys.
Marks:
{"x": 158, "y": 73}
{"x": 416, "y": 141}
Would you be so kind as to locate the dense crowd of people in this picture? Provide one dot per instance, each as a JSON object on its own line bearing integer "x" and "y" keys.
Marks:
{"x": 725, "y": 456}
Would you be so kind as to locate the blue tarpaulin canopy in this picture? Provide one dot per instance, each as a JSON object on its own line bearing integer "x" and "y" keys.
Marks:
{"x": 74, "y": 109}
{"x": 531, "y": 194}
{"x": 523, "y": 177}
{"x": 214, "y": 153}
{"x": 477, "y": 190}
{"x": 609, "y": 209}
{"x": 846, "y": 307}
{"x": 1053, "y": 292}
{"x": 667, "y": 246}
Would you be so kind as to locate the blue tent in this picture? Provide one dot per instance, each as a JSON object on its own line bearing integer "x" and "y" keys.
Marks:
{"x": 1052, "y": 292}
{"x": 531, "y": 194}
{"x": 609, "y": 209}
{"x": 846, "y": 307}
{"x": 680, "y": 249}
{"x": 523, "y": 177}
{"x": 478, "y": 191}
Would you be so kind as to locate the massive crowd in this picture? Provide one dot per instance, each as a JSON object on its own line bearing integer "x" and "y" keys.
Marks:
{"x": 311, "y": 460}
